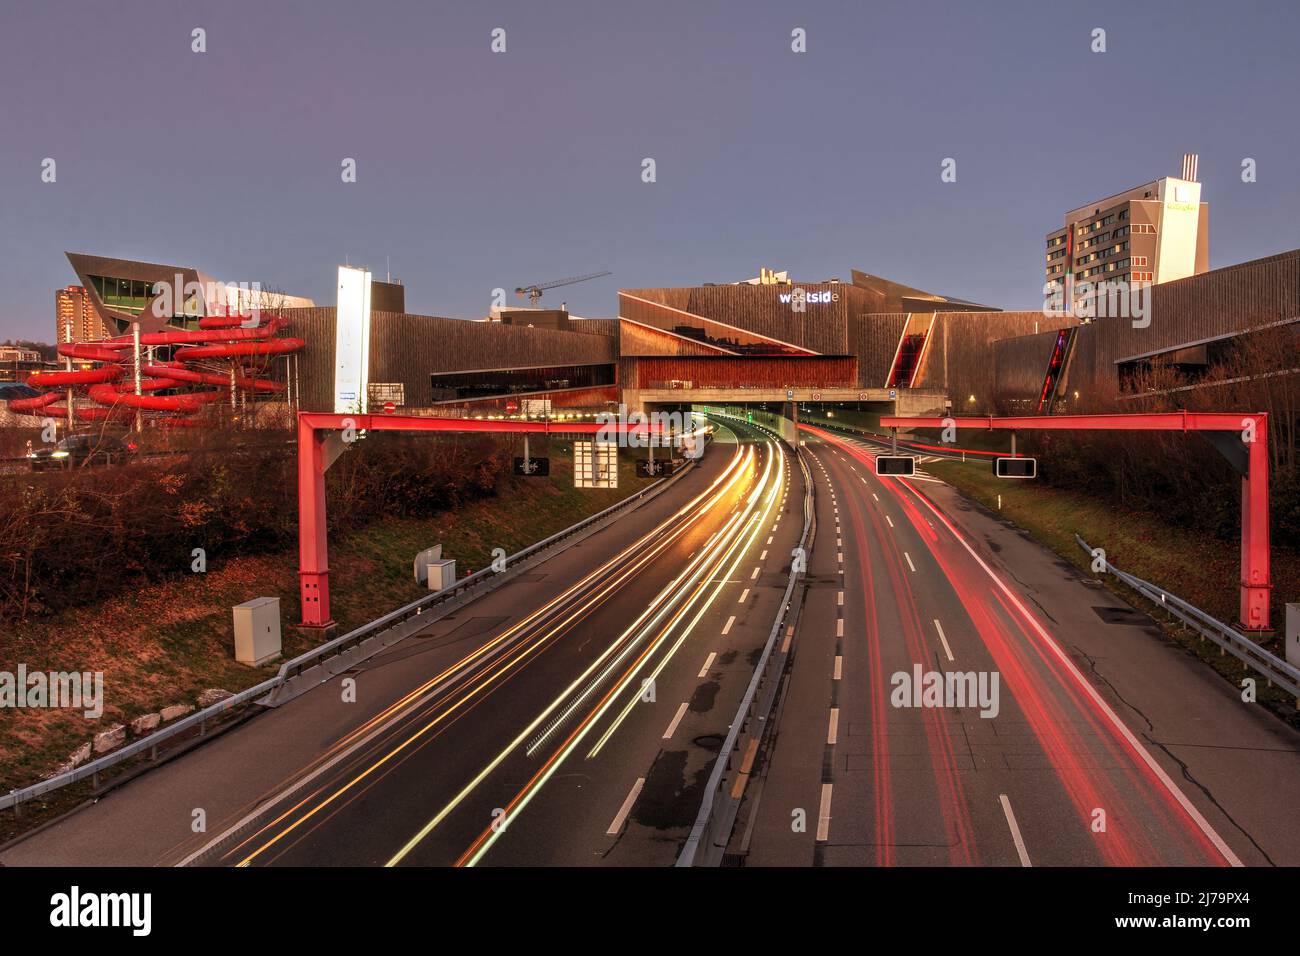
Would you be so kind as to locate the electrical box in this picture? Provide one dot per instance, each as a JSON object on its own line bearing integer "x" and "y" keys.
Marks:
{"x": 422, "y": 561}
{"x": 257, "y": 631}
{"x": 441, "y": 574}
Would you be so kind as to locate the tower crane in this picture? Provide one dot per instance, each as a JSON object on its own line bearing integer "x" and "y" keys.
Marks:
{"x": 534, "y": 292}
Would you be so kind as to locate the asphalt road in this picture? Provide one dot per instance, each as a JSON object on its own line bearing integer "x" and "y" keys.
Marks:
{"x": 568, "y": 717}
{"x": 1105, "y": 744}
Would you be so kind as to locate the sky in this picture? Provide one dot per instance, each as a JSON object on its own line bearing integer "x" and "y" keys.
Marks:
{"x": 478, "y": 170}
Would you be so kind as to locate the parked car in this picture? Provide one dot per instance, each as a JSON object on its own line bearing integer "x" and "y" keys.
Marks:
{"x": 91, "y": 449}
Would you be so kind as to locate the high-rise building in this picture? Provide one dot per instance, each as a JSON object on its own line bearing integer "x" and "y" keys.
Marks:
{"x": 76, "y": 318}
{"x": 1150, "y": 234}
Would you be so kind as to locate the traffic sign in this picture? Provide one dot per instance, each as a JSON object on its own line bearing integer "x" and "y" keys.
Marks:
{"x": 390, "y": 407}
{"x": 512, "y": 406}
{"x": 1015, "y": 467}
{"x": 649, "y": 469}
{"x": 533, "y": 467}
{"x": 895, "y": 465}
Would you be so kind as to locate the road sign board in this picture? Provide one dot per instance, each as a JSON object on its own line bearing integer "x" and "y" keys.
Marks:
{"x": 595, "y": 464}
{"x": 390, "y": 407}
{"x": 895, "y": 465}
{"x": 1015, "y": 467}
{"x": 649, "y": 469}
{"x": 533, "y": 467}
{"x": 512, "y": 407}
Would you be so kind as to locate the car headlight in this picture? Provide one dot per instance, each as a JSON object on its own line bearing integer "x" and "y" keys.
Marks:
{"x": 59, "y": 454}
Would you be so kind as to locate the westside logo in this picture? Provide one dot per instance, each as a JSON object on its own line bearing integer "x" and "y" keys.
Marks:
{"x": 806, "y": 296}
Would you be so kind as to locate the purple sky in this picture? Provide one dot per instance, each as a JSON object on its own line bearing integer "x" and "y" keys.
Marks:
{"x": 478, "y": 170}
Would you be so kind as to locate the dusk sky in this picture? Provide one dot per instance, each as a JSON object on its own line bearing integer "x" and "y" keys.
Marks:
{"x": 478, "y": 170}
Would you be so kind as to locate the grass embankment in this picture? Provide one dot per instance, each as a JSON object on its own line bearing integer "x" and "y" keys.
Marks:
{"x": 1197, "y": 567}
{"x": 164, "y": 644}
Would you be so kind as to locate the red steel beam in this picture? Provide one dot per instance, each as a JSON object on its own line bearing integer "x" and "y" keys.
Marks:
{"x": 1253, "y": 610}
{"x": 313, "y": 545}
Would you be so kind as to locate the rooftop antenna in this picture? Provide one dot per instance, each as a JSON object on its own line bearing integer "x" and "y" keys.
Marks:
{"x": 388, "y": 267}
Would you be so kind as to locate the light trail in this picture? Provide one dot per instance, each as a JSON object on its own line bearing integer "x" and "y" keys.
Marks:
{"x": 533, "y": 787}
{"x": 491, "y": 662}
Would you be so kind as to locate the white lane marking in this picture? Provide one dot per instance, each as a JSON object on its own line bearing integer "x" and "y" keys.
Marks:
{"x": 946, "y": 649}
{"x": 754, "y": 575}
{"x": 763, "y": 556}
{"x": 769, "y": 539}
{"x": 1197, "y": 817}
{"x": 730, "y": 621}
{"x": 839, "y": 627}
{"x": 626, "y": 808}
{"x": 839, "y": 666}
{"x": 909, "y": 562}
{"x": 708, "y": 662}
{"x": 839, "y": 542}
{"x": 681, "y": 712}
{"x": 824, "y": 815}
{"x": 890, "y": 520}
{"x": 1015, "y": 831}
{"x": 876, "y": 496}
{"x": 833, "y": 729}
{"x": 840, "y": 557}
{"x": 840, "y": 599}
{"x": 743, "y": 594}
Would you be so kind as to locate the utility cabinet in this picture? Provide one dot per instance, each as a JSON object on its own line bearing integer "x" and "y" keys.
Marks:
{"x": 257, "y": 631}
{"x": 441, "y": 573}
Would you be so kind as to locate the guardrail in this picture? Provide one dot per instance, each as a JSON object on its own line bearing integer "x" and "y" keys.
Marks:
{"x": 711, "y": 831}
{"x": 1267, "y": 665}
{"x": 318, "y": 656}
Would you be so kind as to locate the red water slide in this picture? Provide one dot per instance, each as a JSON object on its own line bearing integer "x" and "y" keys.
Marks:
{"x": 87, "y": 376}
{"x": 112, "y": 386}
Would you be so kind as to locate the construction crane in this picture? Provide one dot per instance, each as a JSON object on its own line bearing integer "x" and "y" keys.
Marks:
{"x": 534, "y": 292}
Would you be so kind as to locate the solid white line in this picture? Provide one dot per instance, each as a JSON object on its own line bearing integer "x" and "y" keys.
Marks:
{"x": 1015, "y": 831}
{"x": 730, "y": 621}
{"x": 839, "y": 666}
{"x": 909, "y": 562}
{"x": 824, "y": 815}
{"x": 743, "y": 594}
{"x": 833, "y": 730}
{"x": 946, "y": 649}
{"x": 708, "y": 662}
{"x": 626, "y": 808}
{"x": 681, "y": 712}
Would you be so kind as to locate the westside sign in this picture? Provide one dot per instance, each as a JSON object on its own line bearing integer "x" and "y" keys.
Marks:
{"x": 810, "y": 297}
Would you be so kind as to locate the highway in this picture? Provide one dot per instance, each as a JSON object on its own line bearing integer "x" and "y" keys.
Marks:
{"x": 1049, "y": 770}
{"x": 571, "y": 716}
{"x": 568, "y": 717}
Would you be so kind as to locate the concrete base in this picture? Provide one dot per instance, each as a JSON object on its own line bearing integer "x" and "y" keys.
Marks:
{"x": 318, "y": 633}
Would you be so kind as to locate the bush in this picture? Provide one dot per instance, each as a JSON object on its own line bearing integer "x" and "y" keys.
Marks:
{"x": 72, "y": 538}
